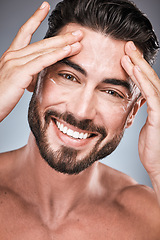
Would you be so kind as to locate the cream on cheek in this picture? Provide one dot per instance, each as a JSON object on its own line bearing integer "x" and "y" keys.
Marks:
{"x": 113, "y": 117}
{"x": 55, "y": 94}
{"x": 48, "y": 90}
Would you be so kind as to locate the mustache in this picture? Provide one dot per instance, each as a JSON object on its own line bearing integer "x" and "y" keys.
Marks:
{"x": 85, "y": 124}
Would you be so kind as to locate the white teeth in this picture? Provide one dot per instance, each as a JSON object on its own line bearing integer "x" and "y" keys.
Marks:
{"x": 70, "y": 132}
{"x": 58, "y": 124}
{"x": 76, "y": 134}
{"x": 65, "y": 130}
{"x": 81, "y": 135}
{"x": 61, "y": 127}
{"x": 85, "y": 135}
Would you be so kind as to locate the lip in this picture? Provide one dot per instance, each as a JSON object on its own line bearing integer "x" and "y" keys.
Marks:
{"x": 69, "y": 141}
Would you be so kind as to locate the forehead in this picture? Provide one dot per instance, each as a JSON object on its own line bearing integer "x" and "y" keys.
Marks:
{"x": 99, "y": 52}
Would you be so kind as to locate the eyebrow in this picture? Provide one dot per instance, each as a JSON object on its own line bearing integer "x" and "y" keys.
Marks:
{"x": 73, "y": 65}
{"x": 114, "y": 81}
{"x": 118, "y": 82}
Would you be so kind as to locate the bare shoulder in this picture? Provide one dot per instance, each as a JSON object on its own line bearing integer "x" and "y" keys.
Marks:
{"x": 9, "y": 164}
{"x": 137, "y": 201}
{"x": 140, "y": 201}
{"x": 127, "y": 191}
{"x": 118, "y": 180}
{"x": 6, "y": 160}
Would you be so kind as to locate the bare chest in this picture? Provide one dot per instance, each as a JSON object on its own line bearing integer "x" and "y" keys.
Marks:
{"x": 29, "y": 230}
{"x": 19, "y": 221}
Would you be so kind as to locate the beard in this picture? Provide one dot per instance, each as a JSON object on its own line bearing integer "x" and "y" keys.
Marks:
{"x": 65, "y": 159}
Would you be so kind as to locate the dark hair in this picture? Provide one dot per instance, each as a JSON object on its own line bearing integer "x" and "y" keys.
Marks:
{"x": 120, "y": 19}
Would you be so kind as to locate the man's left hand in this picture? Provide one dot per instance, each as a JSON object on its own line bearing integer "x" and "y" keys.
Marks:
{"x": 148, "y": 83}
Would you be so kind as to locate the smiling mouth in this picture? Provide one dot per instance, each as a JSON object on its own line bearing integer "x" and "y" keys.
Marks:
{"x": 73, "y": 134}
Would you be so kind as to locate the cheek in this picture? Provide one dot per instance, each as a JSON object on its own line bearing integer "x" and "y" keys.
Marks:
{"x": 113, "y": 116}
{"x": 54, "y": 94}
{"x": 109, "y": 114}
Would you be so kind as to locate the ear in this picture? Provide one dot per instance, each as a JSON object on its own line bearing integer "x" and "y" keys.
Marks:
{"x": 138, "y": 104}
{"x": 32, "y": 85}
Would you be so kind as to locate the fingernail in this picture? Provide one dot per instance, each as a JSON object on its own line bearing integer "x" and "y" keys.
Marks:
{"x": 128, "y": 59}
{"x": 44, "y": 4}
{"x": 67, "y": 48}
{"x": 75, "y": 45}
{"x": 132, "y": 46}
{"x": 78, "y": 32}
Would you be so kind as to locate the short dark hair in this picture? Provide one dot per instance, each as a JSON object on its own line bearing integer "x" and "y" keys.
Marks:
{"x": 120, "y": 19}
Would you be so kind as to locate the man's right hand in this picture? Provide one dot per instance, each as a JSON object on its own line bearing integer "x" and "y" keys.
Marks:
{"x": 22, "y": 61}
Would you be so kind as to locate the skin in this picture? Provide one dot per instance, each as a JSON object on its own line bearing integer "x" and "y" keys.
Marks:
{"x": 36, "y": 202}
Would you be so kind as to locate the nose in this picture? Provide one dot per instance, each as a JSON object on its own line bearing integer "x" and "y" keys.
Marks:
{"x": 83, "y": 104}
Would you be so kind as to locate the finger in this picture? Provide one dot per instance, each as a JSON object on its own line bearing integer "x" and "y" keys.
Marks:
{"x": 148, "y": 90}
{"x": 137, "y": 59}
{"x": 39, "y": 63}
{"x": 128, "y": 67}
{"x": 55, "y": 42}
{"x": 75, "y": 48}
{"x": 47, "y": 45}
{"x": 152, "y": 98}
{"x": 25, "y": 33}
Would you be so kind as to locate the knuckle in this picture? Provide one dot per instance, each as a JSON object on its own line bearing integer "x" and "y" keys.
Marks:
{"x": 64, "y": 39}
{"x": 42, "y": 44}
{"x": 22, "y": 29}
{"x": 10, "y": 63}
{"x": 67, "y": 38}
{"x": 7, "y": 56}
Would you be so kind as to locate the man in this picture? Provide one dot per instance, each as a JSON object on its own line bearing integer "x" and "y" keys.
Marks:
{"x": 94, "y": 75}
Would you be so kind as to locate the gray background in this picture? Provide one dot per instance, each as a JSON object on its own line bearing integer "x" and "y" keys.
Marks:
{"x": 14, "y": 130}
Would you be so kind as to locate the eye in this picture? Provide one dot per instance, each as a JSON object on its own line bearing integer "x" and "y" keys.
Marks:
{"x": 69, "y": 77}
{"x": 114, "y": 93}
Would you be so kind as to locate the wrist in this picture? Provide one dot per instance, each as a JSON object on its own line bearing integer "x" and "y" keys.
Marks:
{"x": 155, "y": 179}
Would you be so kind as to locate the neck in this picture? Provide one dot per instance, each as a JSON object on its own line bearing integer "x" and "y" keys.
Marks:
{"x": 56, "y": 192}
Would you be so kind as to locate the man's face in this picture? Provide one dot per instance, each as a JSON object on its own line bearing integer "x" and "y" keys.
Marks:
{"x": 83, "y": 105}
